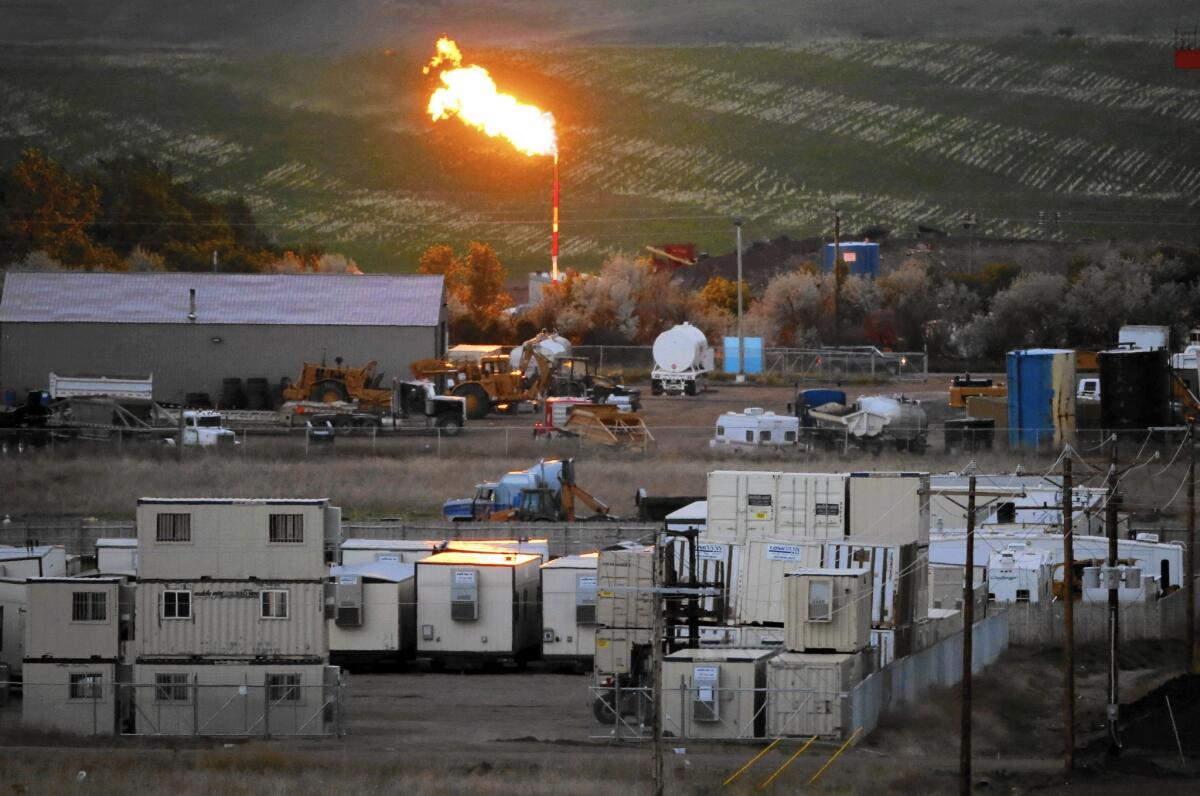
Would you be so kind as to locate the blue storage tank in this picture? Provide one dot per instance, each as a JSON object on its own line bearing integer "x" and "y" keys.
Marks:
{"x": 1041, "y": 397}
{"x": 754, "y": 355}
{"x": 861, "y": 258}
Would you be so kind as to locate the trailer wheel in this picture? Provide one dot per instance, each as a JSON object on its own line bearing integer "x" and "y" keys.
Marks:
{"x": 656, "y": 387}
{"x": 450, "y": 425}
{"x": 689, "y": 388}
{"x": 604, "y": 709}
{"x": 918, "y": 445}
{"x": 479, "y": 403}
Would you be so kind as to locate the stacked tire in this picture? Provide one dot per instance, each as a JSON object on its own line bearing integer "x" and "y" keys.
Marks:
{"x": 258, "y": 394}
{"x": 232, "y": 396}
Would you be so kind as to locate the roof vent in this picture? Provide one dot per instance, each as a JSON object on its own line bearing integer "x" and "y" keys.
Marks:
{"x": 191, "y": 304}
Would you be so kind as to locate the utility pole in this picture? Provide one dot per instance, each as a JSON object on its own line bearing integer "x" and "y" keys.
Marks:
{"x": 1068, "y": 618}
{"x": 741, "y": 374}
{"x": 964, "y": 762}
{"x": 1114, "y": 614}
{"x": 658, "y": 664}
{"x": 837, "y": 277}
{"x": 1189, "y": 572}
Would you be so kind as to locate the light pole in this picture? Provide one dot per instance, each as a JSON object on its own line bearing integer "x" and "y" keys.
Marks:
{"x": 741, "y": 374}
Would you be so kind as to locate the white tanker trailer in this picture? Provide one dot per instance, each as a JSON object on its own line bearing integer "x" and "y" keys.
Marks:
{"x": 682, "y": 357}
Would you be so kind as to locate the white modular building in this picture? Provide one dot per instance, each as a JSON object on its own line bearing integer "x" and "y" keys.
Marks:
{"x": 715, "y": 693}
{"x": 357, "y": 551}
{"x": 38, "y": 561}
{"x": 744, "y": 504}
{"x": 479, "y": 606}
{"x": 828, "y": 610}
{"x": 569, "y": 595}
{"x": 117, "y": 556}
{"x": 374, "y": 613}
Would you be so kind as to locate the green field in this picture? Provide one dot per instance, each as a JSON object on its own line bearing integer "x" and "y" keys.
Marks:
{"x": 658, "y": 143}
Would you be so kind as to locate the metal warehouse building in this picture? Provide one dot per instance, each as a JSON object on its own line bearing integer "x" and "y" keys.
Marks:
{"x": 190, "y": 331}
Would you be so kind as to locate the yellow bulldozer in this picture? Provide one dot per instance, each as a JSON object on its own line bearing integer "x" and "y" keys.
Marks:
{"x": 319, "y": 382}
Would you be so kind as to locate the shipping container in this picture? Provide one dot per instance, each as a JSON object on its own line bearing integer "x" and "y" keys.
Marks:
{"x": 757, "y": 595}
{"x": 624, "y": 577}
{"x": 1135, "y": 389}
{"x": 828, "y": 610}
{"x": 479, "y": 606}
{"x": 809, "y": 695}
{"x": 231, "y": 619}
{"x": 775, "y": 505}
{"x": 888, "y": 508}
{"x": 861, "y": 258}
{"x": 616, "y": 648}
{"x": 569, "y": 610}
{"x": 715, "y": 693}
{"x": 899, "y": 579}
{"x": 1041, "y": 397}
{"x": 883, "y": 646}
{"x": 374, "y": 613}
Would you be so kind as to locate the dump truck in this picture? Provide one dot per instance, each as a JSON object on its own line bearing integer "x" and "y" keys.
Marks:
{"x": 546, "y": 492}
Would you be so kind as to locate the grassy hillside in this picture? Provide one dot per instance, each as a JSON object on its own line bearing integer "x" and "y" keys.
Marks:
{"x": 658, "y": 143}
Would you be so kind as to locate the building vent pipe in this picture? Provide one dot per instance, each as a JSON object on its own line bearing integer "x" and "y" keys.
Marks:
{"x": 191, "y": 304}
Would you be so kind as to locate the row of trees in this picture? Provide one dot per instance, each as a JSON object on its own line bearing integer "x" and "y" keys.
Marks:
{"x": 132, "y": 214}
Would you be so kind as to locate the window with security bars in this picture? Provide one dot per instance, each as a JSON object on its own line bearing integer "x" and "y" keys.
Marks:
{"x": 177, "y": 605}
{"x": 287, "y": 528}
{"x": 283, "y": 687}
{"x": 87, "y": 685}
{"x": 89, "y": 606}
{"x": 171, "y": 688}
{"x": 173, "y": 528}
{"x": 274, "y": 604}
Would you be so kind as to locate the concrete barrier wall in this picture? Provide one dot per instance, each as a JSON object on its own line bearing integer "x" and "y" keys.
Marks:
{"x": 908, "y": 679}
{"x": 1040, "y": 624}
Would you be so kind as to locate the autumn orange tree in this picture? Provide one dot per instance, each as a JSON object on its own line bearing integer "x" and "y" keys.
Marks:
{"x": 721, "y": 293}
{"x": 475, "y": 288}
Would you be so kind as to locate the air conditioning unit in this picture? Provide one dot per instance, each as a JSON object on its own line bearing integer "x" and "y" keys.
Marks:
{"x": 348, "y": 601}
{"x": 585, "y": 600}
{"x": 706, "y": 693}
{"x": 464, "y": 595}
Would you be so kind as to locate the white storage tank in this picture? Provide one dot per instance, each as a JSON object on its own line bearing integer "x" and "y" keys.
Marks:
{"x": 479, "y": 606}
{"x": 569, "y": 593}
{"x": 551, "y": 345}
{"x": 682, "y": 357}
{"x": 374, "y": 613}
{"x": 828, "y": 610}
{"x": 715, "y": 693}
{"x": 809, "y": 695}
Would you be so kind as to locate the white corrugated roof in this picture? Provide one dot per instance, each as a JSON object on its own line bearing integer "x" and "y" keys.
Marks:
{"x": 252, "y": 299}
{"x": 391, "y": 571}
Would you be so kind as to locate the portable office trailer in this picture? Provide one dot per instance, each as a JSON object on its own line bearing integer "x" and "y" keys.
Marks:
{"x": 624, "y": 576}
{"x": 231, "y": 619}
{"x": 241, "y": 699}
{"x": 39, "y": 561}
{"x": 1041, "y": 397}
{"x": 14, "y": 603}
{"x": 569, "y": 593}
{"x": 78, "y": 696}
{"x": 828, "y": 610}
{"x": 715, "y": 693}
{"x": 1019, "y": 574}
{"x": 235, "y": 539}
{"x": 775, "y": 505}
{"x": 479, "y": 606}
{"x": 809, "y": 695}
{"x": 75, "y": 619}
{"x": 888, "y": 508}
{"x": 116, "y": 556}
{"x": 899, "y": 579}
{"x": 374, "y": 613}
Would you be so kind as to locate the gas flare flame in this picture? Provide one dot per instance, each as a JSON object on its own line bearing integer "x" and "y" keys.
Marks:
{"x": 469, "y": 93}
